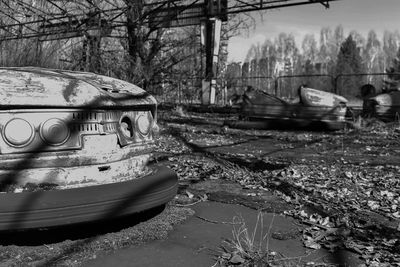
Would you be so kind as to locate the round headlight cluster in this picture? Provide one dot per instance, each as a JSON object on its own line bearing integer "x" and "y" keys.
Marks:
{"x": 18, "y": 132}
{"x": 54, "y": 131}
{"x": 144, "y": 123}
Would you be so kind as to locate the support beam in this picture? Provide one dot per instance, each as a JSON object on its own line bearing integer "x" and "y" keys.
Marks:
{"x": 322, "y": 2}
{"x": 211, "y": 31}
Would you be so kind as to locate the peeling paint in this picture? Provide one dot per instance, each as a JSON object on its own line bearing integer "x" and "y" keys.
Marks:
{"x": 96, "y": 151}
{"x": 122, "y": 170}
{"x": 50, "y": 88}
{"x": 313, "y": 97}
{"x": 70, "y": 90}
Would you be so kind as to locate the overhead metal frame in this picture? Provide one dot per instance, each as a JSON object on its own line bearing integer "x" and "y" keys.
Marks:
{"x": 239, "y": 6}
{"x": 47, "y": 23}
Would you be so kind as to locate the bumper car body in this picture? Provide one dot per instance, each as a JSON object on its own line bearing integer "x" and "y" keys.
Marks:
{"x": 75, "y": 147}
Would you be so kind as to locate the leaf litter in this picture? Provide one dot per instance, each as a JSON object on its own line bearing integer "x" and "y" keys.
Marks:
{"x": 354, "y": 190}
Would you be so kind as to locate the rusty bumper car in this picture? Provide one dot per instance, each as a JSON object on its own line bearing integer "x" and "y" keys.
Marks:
{"x": 75, "y": 147}
{"x": 314, "y": 109}
{"x": 385, "y": 106}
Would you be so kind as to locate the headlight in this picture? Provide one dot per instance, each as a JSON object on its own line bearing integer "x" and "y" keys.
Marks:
{"x": 54, "y": 131}
{"x": 18, "y": 132}
{"x": 144, "y": 123}
{"x": 126, "y": 127}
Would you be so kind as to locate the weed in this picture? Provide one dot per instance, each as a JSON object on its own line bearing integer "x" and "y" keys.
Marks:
{"x": 250, "y": 247}
{"x": 244, "y": 241}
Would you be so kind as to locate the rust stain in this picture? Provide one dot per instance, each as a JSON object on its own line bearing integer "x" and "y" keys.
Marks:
{"x": 70, "y": 90}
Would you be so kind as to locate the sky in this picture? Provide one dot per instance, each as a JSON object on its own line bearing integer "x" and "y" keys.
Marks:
{"x": 359, "y": 15}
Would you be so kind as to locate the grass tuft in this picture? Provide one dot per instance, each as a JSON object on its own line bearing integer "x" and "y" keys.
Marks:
{"x": 250, "y": 247}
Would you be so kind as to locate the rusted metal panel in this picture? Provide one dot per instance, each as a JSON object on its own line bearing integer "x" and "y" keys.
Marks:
{"x": 313, "y": 97}
{"x": 79, "y": 176}
{"x": 55, "y": 88}
{"x": 314, "y": 106}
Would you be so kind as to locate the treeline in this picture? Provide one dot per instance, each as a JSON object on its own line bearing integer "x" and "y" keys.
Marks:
{"x": 333, "y": 54}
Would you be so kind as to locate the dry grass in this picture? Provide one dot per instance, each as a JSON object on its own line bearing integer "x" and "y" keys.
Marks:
{"x": 245, "y": 242}
{"x": 251, "y": 246}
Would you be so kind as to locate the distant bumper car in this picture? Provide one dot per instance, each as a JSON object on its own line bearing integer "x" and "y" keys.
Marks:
{"x": 317, "y": 110}
{"x": 386, "y": 105}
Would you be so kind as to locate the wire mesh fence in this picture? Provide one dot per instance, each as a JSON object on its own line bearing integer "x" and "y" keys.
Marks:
{"x": 239, "y": 85}
{"x": 188, "y": 90}
{"x": 286, "y": 87}
{"x": 350, "y": 85}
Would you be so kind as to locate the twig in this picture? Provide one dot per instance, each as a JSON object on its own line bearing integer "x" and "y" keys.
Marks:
{"x": 215, "y": 264}
{"x": 216, "y": 222}
{"x": 190, "y": 204}
{"x": 290, "y": 258}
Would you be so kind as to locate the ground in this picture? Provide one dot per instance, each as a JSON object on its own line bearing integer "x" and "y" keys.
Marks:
{"x": 341, "y": 187}
{"x": 344, "y": 185}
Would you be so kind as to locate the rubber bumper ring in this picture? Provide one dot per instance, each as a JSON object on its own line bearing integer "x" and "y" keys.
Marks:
{"x": 43, "y": 209}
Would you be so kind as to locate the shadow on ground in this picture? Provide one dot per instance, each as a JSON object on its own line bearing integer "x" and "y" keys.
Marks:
{"x": 36, "y": 237}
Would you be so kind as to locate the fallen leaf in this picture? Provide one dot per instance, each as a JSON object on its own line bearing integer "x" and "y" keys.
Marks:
{"x": 303, "y": 214}
{"x": 236, "y": 259}
{"x": 370, "y": 249}
{"x": 311, "y": 244}
{"x": 226, "y": 255}
{"x": 325, "y": 221}
{"x": 190, "y": 195}
{"x": 373, "y": 204}
{"x": 348, "y": 174}
{"x": 204, "y": 197}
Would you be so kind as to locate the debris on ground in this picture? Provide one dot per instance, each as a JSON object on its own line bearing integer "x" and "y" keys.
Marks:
{"x": 344, "y": 186}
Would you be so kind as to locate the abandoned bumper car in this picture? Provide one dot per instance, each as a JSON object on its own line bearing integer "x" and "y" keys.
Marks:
{"x": 386, "y": 104}
{"x": 314, "y": 109}
{"x": 75, "y": 147}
